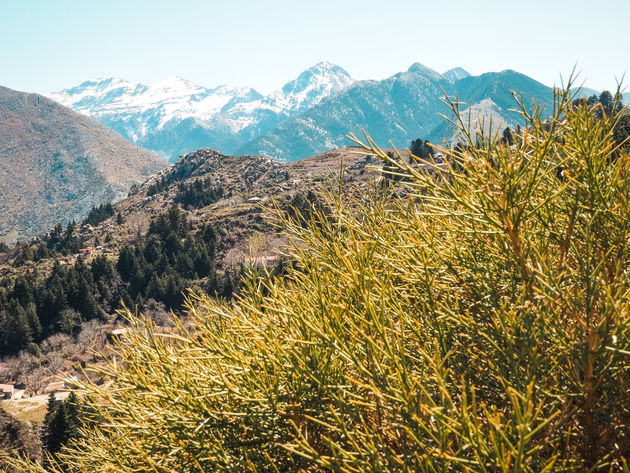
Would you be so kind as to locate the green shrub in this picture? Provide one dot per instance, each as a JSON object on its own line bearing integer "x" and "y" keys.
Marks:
{"x": 479, "y": 324}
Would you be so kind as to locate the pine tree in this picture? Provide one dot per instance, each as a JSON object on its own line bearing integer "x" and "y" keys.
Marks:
{"x": 33, "y": 321}
{"x": 508, "y": 136}
{"x": 16, "y": 331}
{"x": 621, "y": 132}
{"x": 417, "y": 147}
{"x": 73, "y": 410}
{"x": 618, "y": 102}
{"x": 606, "y": 102}
{"x": 53, "y": 427}
{"x": 61, "y": 423}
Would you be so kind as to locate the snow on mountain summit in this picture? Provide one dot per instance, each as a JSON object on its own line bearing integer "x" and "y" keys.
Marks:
{"x": 149, "y": 115}
{"x": 312, "y": 85}
{"x": 93, "y": 96}
{"x": 297, "y": 96}
{"x": 167, "y": 99}
{"x": 456, "y": 74}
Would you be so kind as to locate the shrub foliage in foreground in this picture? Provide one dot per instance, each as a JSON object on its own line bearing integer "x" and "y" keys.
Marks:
{"x": 482, "y": 325}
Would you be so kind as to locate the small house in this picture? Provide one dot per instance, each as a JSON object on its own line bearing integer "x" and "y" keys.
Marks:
{"x": 86, "y": 252}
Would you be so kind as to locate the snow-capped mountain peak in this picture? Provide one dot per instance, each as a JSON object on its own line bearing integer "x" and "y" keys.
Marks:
{"x": 91, "y": 96}
{"x": 456, "y": 73}
{"x": 175, "y": 85}
{"x": 326, "y": 69}
{"x": 165, "y": 100}
{"x": 103, "y": 83}
{"x": 315, "y": 83}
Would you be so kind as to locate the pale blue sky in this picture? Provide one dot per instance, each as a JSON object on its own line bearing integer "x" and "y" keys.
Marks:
{"x": 50, "y": 45}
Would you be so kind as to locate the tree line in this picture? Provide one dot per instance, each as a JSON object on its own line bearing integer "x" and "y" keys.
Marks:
{"x": 171, "y": 257}
{"x": 198, "y": 193}
{"x": 99, "y": 214}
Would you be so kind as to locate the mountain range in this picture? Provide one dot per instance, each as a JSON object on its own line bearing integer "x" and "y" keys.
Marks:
{"x": 308, "y": 115}
{"x": 403, "y": 107}
{"x": 57, "y": 164}
{"x": 174, "y": 116}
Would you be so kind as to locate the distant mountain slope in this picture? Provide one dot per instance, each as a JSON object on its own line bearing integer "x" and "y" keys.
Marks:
{"x": 401, "y": 108}
{"x": 297, "y": 96}
{"x": 487, "y": 99}
{"x": 395, "y": 108}
{"x": 56, "y": 164}
{"x": 166, "y": 117}
{"x": 174, "y": 116}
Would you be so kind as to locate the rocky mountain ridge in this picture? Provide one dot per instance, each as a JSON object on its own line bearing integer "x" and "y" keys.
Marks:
{"x": 404, "y": 107}
{"x": 247, "y": 183}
